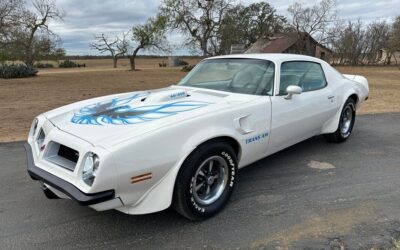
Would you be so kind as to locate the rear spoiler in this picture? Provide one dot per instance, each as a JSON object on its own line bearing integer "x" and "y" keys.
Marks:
{"x": 359, "y": 79}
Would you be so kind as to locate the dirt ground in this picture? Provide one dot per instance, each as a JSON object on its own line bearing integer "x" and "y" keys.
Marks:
{"x": 22, "y": 99}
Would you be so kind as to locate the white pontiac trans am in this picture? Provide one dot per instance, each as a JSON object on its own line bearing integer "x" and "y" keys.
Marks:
{"x": 142, "y": 152}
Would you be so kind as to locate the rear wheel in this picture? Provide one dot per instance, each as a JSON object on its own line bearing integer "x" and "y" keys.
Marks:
{"x": 346, "y": 123}
{"x": 205, "y": 181}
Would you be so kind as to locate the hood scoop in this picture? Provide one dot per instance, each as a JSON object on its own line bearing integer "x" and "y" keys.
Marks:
{"x": 165, "y": 96}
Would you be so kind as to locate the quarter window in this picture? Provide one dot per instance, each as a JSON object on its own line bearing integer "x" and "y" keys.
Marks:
{"x": 307, "y": 75}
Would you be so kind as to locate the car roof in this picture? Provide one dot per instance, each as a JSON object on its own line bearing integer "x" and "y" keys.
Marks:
{"x": 274, "y": 57}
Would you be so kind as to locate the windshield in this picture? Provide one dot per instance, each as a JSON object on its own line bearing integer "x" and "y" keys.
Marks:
{"x": 245, "y": 76}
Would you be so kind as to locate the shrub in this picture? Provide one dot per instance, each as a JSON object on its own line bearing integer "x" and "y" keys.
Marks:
{"x": 68, "y": 64}
{"x": 182, "y": 63}
{"x": 187, "y": 68}
{"x": 43, "y": 65}
{"x": 16, "y": 71}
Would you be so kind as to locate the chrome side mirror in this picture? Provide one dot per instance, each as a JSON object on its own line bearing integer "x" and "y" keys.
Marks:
{"x": 293, "y": 90}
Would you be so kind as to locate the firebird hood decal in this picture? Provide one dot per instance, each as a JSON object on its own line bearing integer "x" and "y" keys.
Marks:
{"x": 109, "y": 120}
{"x": 130, "y": 110}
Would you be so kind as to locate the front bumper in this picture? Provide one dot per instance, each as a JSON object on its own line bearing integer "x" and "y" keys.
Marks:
{"x": 64, "y": 186}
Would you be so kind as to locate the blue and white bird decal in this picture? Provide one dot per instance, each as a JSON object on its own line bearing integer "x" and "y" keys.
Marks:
{"x": 128, "y": 110}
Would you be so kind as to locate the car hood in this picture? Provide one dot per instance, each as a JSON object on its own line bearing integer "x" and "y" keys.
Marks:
{"x": 111, "y": 119}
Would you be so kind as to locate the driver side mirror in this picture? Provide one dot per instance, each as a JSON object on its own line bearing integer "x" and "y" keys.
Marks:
{"x": 293, "y": 90}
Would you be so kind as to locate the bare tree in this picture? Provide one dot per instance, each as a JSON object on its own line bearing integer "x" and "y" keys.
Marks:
{"x": 394, "y": 39}
{"x": 33, "y": 21}
{"x": 352, "y": 43}
{"x": 198, "y": 19}
{"x": 117, "y": 47}
{"x": 376, "y": 36}
{"x": 314, "y": 20}
{"x": 355, "y": 43}
{"x": 10, "y": 11}
{"x": 334, "y": 41}
{"x": 150, "y": 35}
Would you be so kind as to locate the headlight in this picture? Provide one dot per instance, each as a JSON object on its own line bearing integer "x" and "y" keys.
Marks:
{"x": 34, "y": 126}
{"x": 90, "y": 168}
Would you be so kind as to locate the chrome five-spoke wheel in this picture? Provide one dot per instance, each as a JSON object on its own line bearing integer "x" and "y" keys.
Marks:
{"x": 210, "y": 180}
{"x": 346, "y": 121}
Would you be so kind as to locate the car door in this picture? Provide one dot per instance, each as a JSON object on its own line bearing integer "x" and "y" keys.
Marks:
{"x": 303, "y": 115}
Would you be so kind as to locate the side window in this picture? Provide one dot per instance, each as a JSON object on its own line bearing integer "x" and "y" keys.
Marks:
{"x": 307, "y": 75}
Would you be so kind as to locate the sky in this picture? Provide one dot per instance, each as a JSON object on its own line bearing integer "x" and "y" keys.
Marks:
{"x": 84, "y": 19}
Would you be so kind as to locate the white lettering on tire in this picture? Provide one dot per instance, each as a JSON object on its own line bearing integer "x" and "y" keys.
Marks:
{"x": 232, "y": 164}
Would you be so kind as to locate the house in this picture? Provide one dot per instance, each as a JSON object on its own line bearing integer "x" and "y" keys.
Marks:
{"x": 384, "y": 57}
{"x": 293, "y": 43}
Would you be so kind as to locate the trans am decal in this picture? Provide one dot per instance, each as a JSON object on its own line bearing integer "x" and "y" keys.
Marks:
{"x": 256, "y": 138}
{"x": 123, "y": 111}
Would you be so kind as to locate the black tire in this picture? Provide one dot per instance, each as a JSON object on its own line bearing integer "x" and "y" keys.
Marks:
{"x": 186, "y": 199}
{"x": 343, "y": 132}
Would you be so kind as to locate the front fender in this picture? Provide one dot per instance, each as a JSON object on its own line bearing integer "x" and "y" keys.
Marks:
{"x": 159, "y": 197}
{"x": 163, "y": 151}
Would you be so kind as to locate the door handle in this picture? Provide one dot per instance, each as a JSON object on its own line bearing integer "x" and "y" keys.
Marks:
{"x": 330, "y": 97}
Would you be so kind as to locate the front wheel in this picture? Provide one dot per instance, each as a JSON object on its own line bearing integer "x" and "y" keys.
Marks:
{"x": 205, "y": 181}
{"x": 346, "y": 123}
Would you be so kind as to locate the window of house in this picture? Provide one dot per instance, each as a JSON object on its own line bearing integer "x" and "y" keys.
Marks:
{"x": 323, "y": 55}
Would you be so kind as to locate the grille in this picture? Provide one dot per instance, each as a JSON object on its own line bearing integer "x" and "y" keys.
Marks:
{"x": 68, "y": 153}
{"x": 62, "y": 155}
